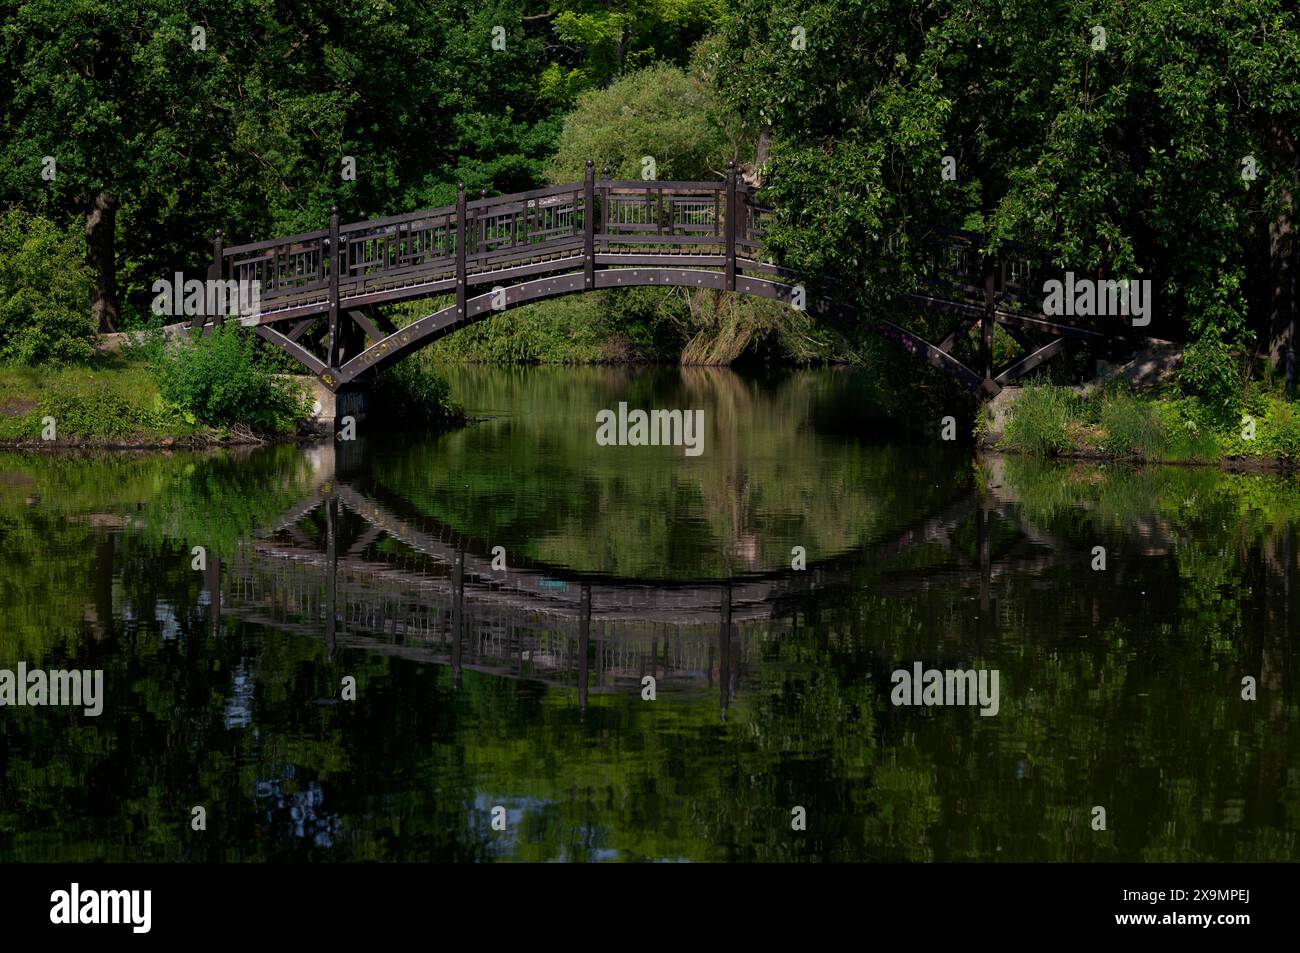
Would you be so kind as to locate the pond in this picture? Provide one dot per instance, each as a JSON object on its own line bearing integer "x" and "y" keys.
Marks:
{"x": 514, "y": 641}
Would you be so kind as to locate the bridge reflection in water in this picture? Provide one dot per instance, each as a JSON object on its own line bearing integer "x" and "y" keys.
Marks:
{"x": 429, "y": 596}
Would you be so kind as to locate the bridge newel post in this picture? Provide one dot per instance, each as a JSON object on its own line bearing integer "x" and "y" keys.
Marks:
{"x": 462, "y": 236}
{"x": 986, "y": 319}
{"x": 729, "y": 276}
{"x": 214, "y": 274}
{"x": 333, "y": 358}
{"x": 589, "y": 225}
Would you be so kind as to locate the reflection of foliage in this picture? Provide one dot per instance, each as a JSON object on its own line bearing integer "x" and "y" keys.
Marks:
{"x": 538, "y": 483}
{"x": 60, "y": 519}
{"x": 1118, "y": 688}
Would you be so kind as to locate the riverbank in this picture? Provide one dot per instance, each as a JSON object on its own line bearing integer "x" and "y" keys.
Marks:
{"x": 219, "y": 391}
{"x": 111, "y": 402}
{"x": 1161, "y": 426}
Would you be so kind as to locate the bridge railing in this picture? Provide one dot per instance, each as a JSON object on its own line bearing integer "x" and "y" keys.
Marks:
{"x": 415, "y": 244}
{"x": 380, "y": 259}
{"x": 296, "y": 265}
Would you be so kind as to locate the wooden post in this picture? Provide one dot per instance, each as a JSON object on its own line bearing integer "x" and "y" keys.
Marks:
{"x": 462, "y": 236}
{"x": 215, "y": 272}
{"x": 986, "y": 320}
{"x": 729, "y": 277}
{"x": 589, "y": 226}
{"x": 333, "y": 354}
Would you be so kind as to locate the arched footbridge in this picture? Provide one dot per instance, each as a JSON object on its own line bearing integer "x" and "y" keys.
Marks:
{"x": 319, "y": 291}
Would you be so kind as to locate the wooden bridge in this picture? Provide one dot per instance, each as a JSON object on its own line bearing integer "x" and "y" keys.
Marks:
{"x": 319, "y": 291}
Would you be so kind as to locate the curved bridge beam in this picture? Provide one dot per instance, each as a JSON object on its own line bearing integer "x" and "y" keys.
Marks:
{"x": 421, "y": 333}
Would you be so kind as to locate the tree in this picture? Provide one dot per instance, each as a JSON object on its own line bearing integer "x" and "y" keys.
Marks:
{"x": 659, "y": 112}
{"x": 1111, "y": 135}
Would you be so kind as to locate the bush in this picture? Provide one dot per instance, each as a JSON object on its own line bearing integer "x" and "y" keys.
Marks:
{"x": 411, "y": 393}
{"x": 1039, "y": 421}
{"x": 220, "y": 380}
{"x": 44, "y": 292}
{"x": 1282, "y": 432}
{"x": 1210, "y": 372}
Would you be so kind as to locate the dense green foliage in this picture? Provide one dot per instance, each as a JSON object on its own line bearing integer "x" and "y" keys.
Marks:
{"x": 1124, "y": 152}
{"x": 1152, "y": 140}
{"x": 44, "y": 286}
{"x": 660, "y": 112}
{"x": 249, "y": 131}
{"x": 220, "y": 380}
{"x": 412, "y": 393}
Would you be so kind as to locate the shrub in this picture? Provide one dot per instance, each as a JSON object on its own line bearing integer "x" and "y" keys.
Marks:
{"x": 1280, "y": 432}
{"x": 1040, "y": 419}
{"x": 220, "y": 380}
{"x": 44, "y": 292}
{"x": 1210, "y": 372}
{"x": 413, "y": 393}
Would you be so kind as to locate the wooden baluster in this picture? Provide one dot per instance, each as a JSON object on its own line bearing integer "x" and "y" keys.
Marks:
{"x": 589, "y": 226}
{"x": 604, "y": 202}
{"x": 462, "y": 236}
{"x": 729, "y": 276}
{"x": 334, "y": 287}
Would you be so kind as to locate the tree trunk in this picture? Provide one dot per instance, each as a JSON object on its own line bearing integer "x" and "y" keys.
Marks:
{"x": 101, "y": 255}
{"x": 1282, "y": 264}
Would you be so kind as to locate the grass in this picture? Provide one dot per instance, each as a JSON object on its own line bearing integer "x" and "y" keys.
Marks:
{"x": 107, "y": 400}
{"x": 1046, "y": 421}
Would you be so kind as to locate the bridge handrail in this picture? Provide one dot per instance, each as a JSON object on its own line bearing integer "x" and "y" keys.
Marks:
{"x": 511, "y": 197}
{"x": 658, "y": 185}
{"x": 362, "y": 225}
{"x": 302, "y": 238}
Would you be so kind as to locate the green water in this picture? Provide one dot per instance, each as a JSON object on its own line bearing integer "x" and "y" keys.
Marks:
{"x": 1119, "y": 688}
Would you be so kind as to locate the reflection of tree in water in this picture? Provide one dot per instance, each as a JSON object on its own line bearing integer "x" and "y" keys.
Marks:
{"x": 731, "y": 412}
